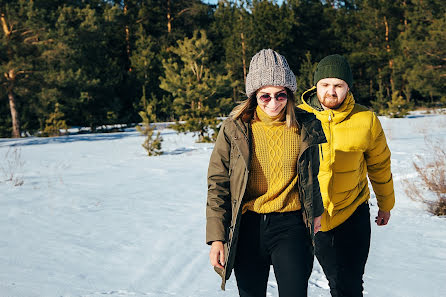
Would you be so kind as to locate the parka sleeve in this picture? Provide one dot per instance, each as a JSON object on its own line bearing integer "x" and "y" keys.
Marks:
{"x": 318, "y": 205}
{"x": 377, "y": 157}
{"x": 218, "y": 206}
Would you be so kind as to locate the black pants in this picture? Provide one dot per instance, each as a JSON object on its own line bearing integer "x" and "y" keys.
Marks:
{"x": 280, "y": 239}
{"x": 343, "y": 251}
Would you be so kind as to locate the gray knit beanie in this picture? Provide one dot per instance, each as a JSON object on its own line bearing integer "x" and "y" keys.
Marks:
{"x": 335, "y": 66}
{"x": 268, "y": 68}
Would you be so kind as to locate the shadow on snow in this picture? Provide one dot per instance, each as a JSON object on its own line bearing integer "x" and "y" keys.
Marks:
{"x": 66, "y": 139}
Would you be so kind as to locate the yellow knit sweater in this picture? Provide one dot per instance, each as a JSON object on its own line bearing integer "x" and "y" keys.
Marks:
{"x": 273, "y": 175}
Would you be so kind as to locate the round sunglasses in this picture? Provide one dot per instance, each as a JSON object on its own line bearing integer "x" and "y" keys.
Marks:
{"x": 281, "y": 96}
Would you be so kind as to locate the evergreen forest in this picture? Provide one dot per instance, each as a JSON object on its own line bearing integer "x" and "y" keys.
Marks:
{"x": 92, "y": 63}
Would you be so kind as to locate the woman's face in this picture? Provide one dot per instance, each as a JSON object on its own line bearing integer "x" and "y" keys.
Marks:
{"x": 272, "y": 99}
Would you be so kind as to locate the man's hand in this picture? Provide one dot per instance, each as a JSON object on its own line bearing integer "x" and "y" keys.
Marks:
{"x": 317, "y": 224}
{"x": 382, "y": 218}
{"x": 217, "y": 254}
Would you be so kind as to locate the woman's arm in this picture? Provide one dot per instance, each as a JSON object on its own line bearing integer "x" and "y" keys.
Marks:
{"x": 218, "y": 207}
{"x": 318, "y": 205}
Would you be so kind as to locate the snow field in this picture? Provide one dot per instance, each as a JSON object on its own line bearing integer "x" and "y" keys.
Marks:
{"x": 97, "y": 217}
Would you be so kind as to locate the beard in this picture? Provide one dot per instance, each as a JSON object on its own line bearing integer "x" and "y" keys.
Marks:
{"x": 330, "y": 98}
{"x": 331, "y": 102}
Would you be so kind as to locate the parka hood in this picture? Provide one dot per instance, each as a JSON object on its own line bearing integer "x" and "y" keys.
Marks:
{"x": 311, "y": 104}
{"x": 309, "y": 97}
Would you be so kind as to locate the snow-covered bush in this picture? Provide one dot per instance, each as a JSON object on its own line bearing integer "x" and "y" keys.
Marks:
{"x": 432, "y": 177}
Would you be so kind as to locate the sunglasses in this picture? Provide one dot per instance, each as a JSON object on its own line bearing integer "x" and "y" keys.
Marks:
{"x": 281, "y": 96}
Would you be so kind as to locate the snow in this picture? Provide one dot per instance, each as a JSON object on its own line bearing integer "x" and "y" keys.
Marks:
{"x": 96, "y": 217}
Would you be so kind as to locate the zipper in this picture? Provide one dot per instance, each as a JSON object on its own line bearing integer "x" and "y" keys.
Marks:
{"x": 331, "y": 146}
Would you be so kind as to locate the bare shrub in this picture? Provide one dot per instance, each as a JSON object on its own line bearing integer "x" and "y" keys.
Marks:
{"x": 432, "y": 174}
{"x": 11, "y": 167}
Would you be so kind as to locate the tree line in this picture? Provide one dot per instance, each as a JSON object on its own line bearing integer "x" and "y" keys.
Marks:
{"x": 103, "y": 62}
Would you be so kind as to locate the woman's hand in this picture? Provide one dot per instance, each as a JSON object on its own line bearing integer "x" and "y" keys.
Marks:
{"x": 217, "y": 254}
{"x": 317, "y": 224}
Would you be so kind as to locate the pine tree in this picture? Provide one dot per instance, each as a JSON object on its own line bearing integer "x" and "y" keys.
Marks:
{"x": 421, "y": 63}
{"x": 21, "y": 43}
{"x": 371, "y": 39}
{"x": 143, "y": 60}
{"x": 232, "y": 28}
{"x": 196, "y": 90}
{"x": 305, "y": 77}
{"x": 146, "y": 67}
{"x": 55, "y": 123}
{"x": 91, "y": 67}
{"x": 380, "y": 102}
{"x": 310, "y": 30}
{"x": 151, "y": 145}
{"x": 397, "y": 107}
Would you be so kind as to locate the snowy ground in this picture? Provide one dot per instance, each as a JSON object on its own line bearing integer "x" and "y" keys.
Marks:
{"x": 96, "y": 217}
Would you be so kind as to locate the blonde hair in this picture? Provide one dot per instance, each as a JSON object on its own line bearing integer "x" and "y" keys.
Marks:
{"x": 246, "y": 109}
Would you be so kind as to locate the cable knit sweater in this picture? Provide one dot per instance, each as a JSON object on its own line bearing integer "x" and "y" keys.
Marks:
{"x": 273, "y": 175}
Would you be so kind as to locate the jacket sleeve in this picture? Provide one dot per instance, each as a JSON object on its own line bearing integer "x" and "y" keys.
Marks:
{"x": 377, "y": 157}
{"x": 218, "y": 206}
{"x": 318, "y": 205}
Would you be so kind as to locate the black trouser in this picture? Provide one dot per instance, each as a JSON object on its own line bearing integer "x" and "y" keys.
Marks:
{"x": 343, "y": 251}
{"x": 280, "y": 239}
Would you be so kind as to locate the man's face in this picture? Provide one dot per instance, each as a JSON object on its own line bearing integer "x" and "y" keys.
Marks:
{"x": 331, "y": 92}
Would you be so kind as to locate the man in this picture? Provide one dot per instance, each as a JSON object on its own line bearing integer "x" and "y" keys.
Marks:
{"x": 356, "y": 148}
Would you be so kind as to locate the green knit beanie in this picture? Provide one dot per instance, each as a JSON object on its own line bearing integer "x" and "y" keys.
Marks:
{"x": 335, "y": 66}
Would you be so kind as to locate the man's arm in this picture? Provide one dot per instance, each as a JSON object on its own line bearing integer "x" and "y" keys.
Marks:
{"x": 377, "y": 157}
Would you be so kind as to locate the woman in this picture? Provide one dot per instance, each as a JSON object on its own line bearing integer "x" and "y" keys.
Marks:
{"x": 264, "y": 203}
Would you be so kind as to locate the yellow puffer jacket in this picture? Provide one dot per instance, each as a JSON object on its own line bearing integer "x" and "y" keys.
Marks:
{"x": 356, "y": 146}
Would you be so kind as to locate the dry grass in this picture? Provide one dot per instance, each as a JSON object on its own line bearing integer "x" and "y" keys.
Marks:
{"x": 432, "y": 174}
{"x": 11, "y": 167}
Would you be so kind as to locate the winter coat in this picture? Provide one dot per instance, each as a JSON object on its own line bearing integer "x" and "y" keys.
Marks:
{"x": 228, "y": 178}
{"x": 356, "y": 146}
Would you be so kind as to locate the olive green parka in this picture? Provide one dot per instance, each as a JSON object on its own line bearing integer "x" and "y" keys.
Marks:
{"x": 228, "y": 171}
